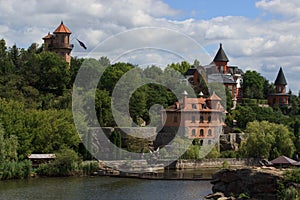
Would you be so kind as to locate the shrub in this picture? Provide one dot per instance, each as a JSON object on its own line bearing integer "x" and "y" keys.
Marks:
{"x": 15, "y": 170}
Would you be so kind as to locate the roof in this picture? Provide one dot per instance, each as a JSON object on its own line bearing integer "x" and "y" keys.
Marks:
{"x": 221, "y": 56}
{"x": 41, "y": 156}
{"x": 283, "y": 160}
{"x": 214, "y": 97}
{"x": 62, "y": 29}
{"x": 296, "y": 163}
{"x": 48, "y": 36}
{"x": 221, "y": 78}
{"x": 190, "y": 71}
{"x": 280, "y": 80}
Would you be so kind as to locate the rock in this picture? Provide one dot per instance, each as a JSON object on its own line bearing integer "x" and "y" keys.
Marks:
{"x": 257, "y": 184}
{"x": 216, "y": 195}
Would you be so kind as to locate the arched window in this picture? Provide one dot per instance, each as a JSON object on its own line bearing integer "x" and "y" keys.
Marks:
{"x": 209, "y": 132}
{"x": 193, "y": 132}
{"x": 201, "y": 132}
{"x": 193, "y": 119}
{"x": 201, "y": 119}
{"x": 209, "y": 119}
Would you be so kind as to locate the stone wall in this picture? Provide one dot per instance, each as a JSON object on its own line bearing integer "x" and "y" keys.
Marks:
{"x": 218, "y": 162}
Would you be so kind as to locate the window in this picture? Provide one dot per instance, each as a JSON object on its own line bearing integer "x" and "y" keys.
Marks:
{"x": 193, "y": 119}
{"x": 175, "y": 119}
{"x": 194, "y": 106}
{"x": 201, "y": 142}
{"x": 279, "y": 89}
{"x": 209, "y": 132}
{"x": 209, "y": 142}
{"x": 209, "y": 119}
{"x": 201, "y": 119}
{"x": 201, "y": 132}
{"x": 62, "y": 39}
{"x": 193, "y": 132}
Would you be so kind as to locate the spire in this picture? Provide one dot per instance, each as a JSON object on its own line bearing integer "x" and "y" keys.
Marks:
{"x": 280, "y": 80}
{"x": 221, "y": 56}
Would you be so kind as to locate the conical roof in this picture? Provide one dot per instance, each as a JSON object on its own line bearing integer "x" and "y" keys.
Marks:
{"x": 280, "y": 80}
{"x": 283, "y": 160}
{"x": 221, "y": 56}
{"x": 62, "y": 29}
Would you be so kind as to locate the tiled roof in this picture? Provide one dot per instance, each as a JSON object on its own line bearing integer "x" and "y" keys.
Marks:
{"x": 48, "y": 36}
{"x": 280, "y": 80}
{"x": 62, "y": 29}
{"x": 221, "y": 56}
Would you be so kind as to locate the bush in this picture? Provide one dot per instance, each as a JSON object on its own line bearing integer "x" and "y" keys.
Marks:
{"x": 292, "y": 175}
{"x": 89, "y": 167}
{"x": 66, "y": 163}
{"x": 15, "y": 170}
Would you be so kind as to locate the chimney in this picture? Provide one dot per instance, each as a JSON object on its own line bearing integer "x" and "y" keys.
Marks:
{"x": 185, "y": 94}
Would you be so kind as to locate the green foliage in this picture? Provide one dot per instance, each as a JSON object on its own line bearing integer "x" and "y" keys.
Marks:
{"x": 253, "y": 85}
{"x": 89, "y": 167}
{"x": 181, "y": 67}
{"x": 66, "y": 163}
{"x": 15, "y": 170}
{"x": 292, "y": 175}
{"x": 267, "y": 140}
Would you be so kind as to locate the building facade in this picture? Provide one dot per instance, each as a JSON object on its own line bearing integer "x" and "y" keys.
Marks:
{"x": 219, "y": 71}
{"x": 201, "y": 118}
{"x": 59, "y": 42}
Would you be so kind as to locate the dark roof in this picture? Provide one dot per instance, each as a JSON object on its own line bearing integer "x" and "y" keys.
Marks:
{"x": 280, "y": 80}
{"x": 190, "y": 71}
{"x": 221, "y": 78}
{"x": 221, "y": 56}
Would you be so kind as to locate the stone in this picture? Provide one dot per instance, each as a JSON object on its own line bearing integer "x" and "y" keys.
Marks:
{"x": 216, "y": 195}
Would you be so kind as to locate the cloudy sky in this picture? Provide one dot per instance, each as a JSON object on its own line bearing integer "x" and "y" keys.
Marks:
{"x": 260, "y": 35}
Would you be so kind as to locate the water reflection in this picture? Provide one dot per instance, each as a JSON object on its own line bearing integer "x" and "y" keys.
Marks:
{"x": 108, "y": 188}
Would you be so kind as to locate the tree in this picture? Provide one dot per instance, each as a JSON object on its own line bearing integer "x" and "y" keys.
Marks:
{"x": 267, "y": 140}
{"x": 253, "y": 85}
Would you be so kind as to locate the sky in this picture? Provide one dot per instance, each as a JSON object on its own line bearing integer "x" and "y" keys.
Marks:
{"x": 261, "y": 35}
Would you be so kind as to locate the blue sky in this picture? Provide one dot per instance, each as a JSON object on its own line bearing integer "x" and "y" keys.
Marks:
{"x": 261, "y": 35}
{"x": 206, "y": 9}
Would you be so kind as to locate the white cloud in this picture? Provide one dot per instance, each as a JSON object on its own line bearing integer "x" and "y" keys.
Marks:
{"x": 261, "y": 44}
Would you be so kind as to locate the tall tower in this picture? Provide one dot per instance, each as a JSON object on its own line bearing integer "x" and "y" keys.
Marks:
{"x": 280, "y": 98}
{"x": 59, "y": 42}
{"x": 221, "y": 60}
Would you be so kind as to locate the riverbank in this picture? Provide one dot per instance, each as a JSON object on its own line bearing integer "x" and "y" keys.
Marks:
{"x": 266, "y": 183}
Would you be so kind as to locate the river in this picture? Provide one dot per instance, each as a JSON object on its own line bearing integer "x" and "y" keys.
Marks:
{"x": 106, "y": 188}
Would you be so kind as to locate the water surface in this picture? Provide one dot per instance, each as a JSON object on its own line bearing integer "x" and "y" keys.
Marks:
{"x": 106, "y": 188}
